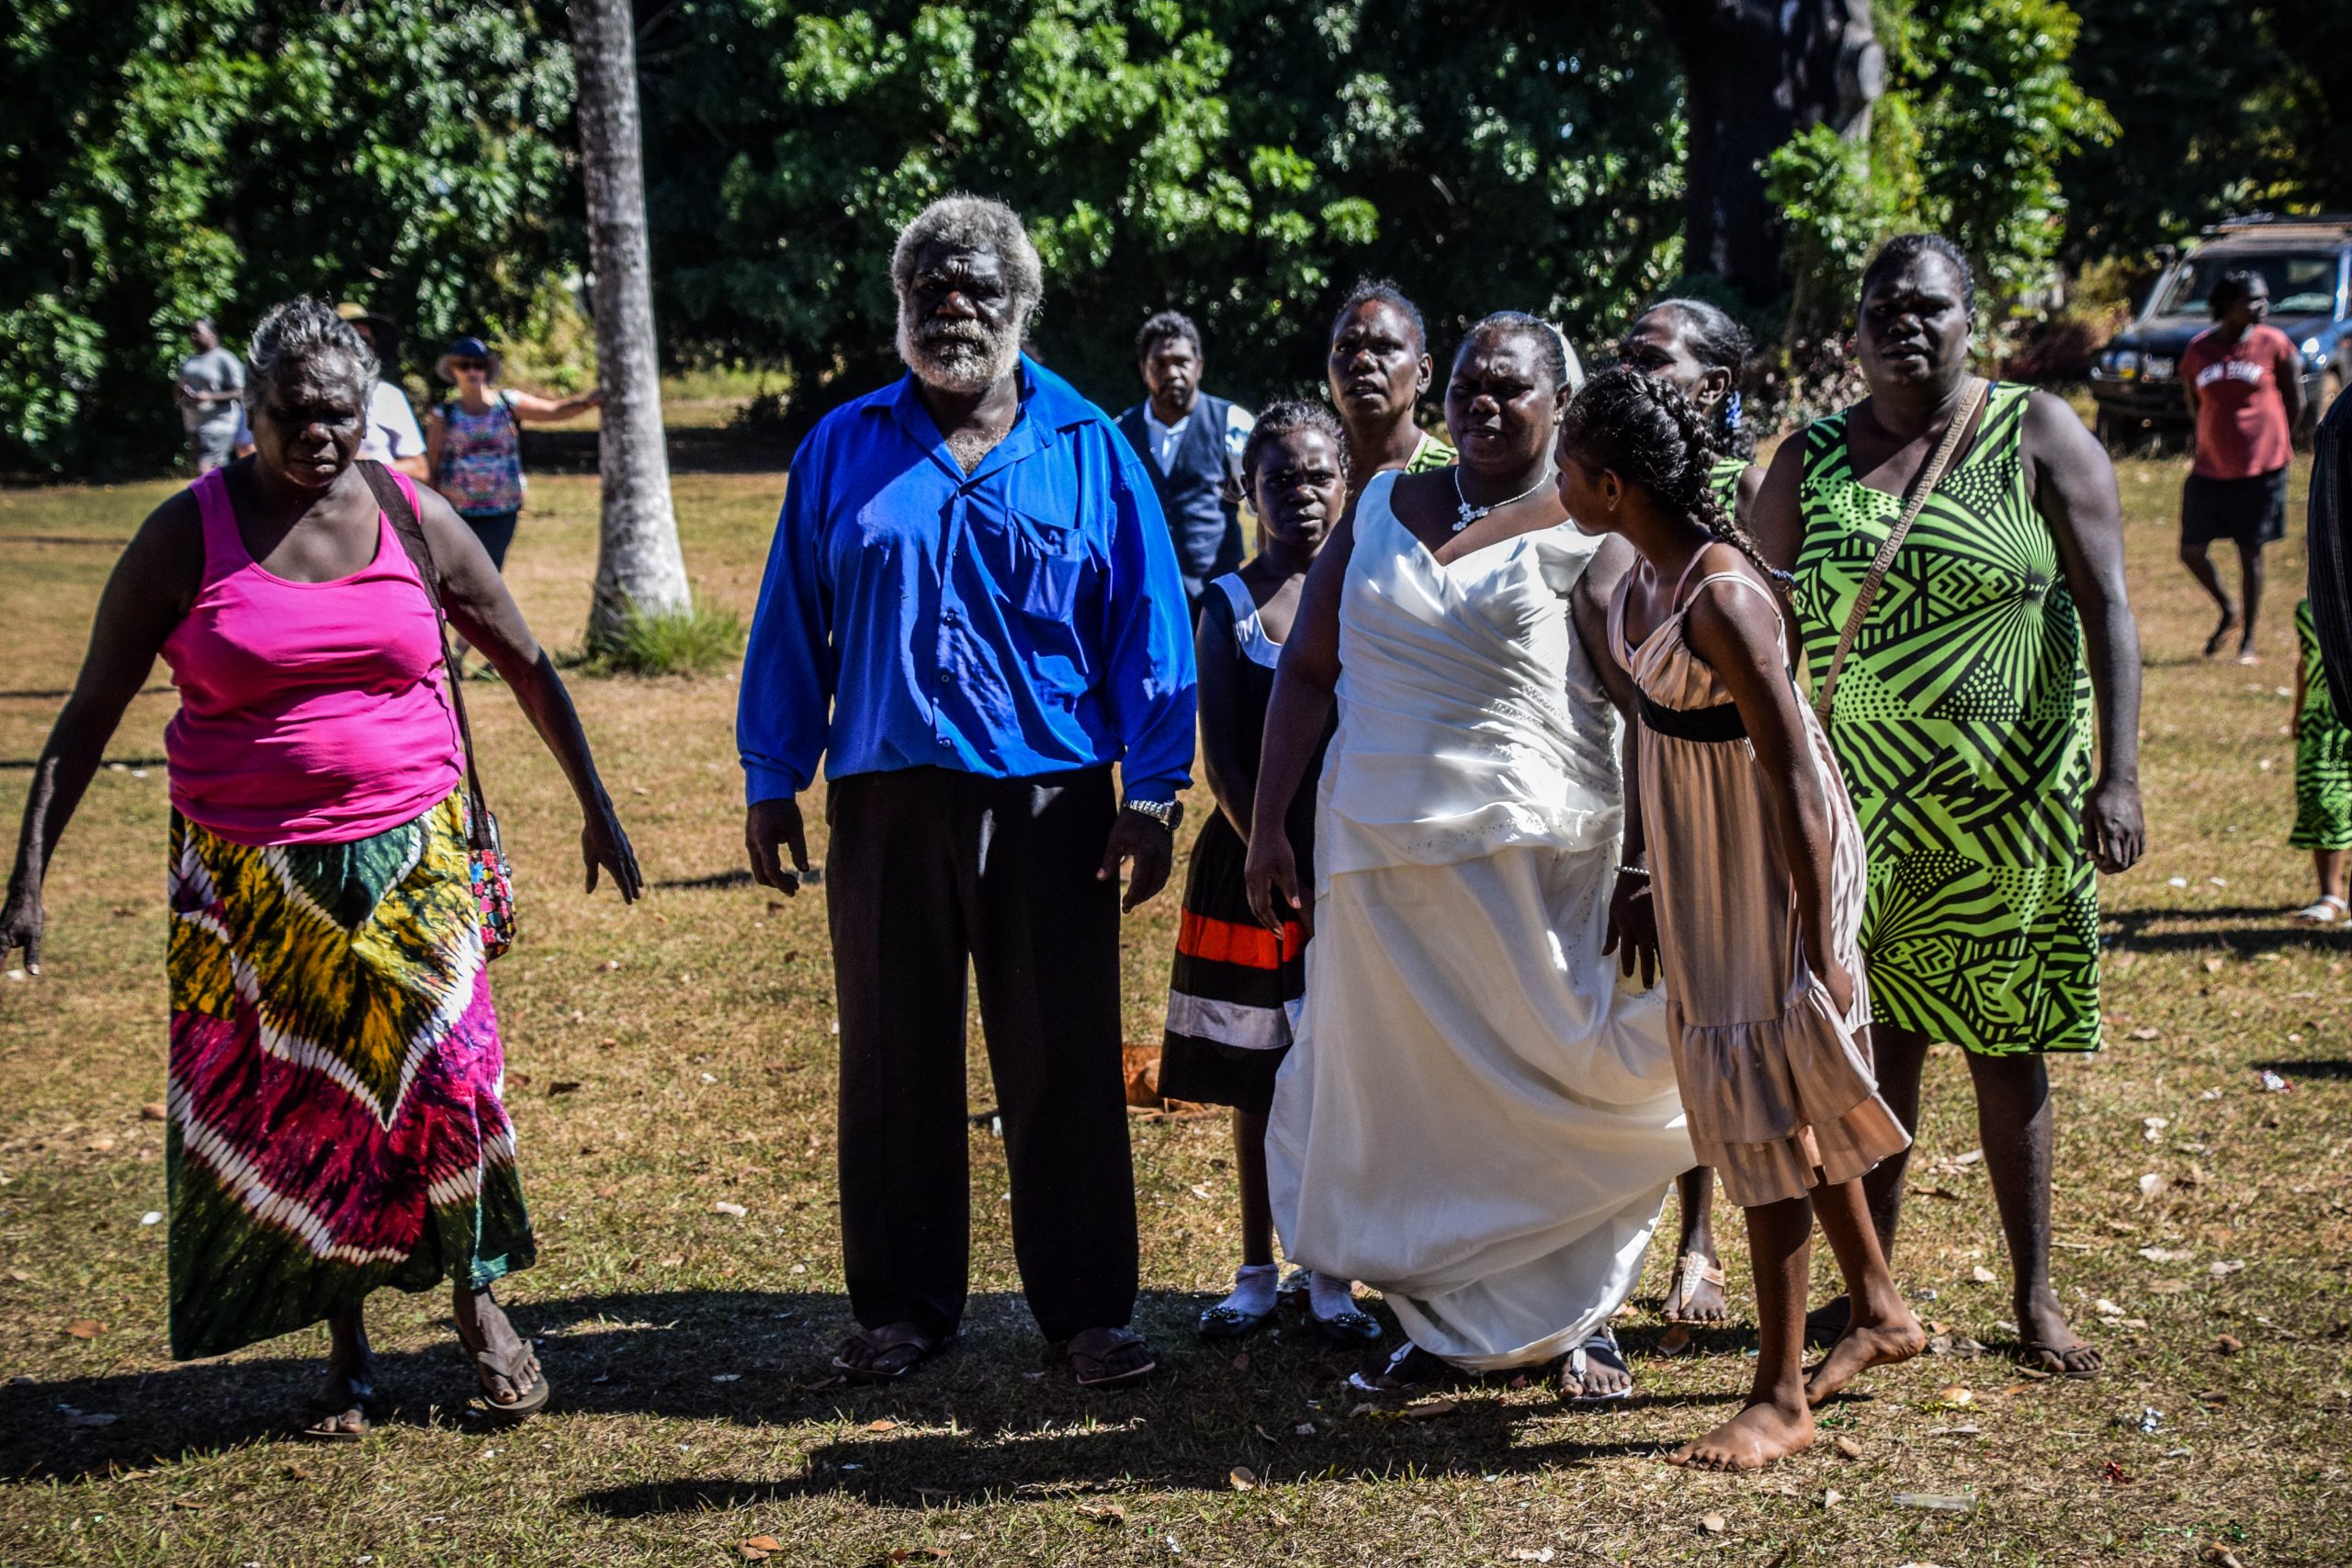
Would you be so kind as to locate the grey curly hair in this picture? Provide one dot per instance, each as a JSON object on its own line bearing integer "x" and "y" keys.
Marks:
{"x": 298, "y": 331}
{"x": 974, "y": 222}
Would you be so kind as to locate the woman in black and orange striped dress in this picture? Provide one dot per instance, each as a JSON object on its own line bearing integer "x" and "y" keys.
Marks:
{"x": 1236, "y": 983}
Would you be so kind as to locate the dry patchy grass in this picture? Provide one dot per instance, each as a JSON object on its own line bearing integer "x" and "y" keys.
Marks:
{"x": 675, "y": 1056}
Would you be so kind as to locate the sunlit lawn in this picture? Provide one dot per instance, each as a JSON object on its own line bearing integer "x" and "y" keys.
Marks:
{"x": 677, "y": 1056}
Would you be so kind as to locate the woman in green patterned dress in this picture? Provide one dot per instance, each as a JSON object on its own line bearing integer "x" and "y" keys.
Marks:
{"x": 1998, "y": 644}
{"x": 1701, "y": 352}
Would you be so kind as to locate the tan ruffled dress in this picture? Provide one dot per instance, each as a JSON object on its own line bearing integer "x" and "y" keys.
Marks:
{"x": 1778, "y": 1087}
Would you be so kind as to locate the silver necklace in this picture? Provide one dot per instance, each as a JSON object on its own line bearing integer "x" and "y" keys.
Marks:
{"x": 1464, "y": 513}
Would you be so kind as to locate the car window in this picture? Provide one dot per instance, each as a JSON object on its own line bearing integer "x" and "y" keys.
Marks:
{"x": 2300, "y": 284}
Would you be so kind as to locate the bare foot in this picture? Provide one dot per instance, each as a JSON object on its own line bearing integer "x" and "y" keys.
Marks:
{"x": 2220, "y": 637}
{"x": 2048, "y": 1344}
{"x": 1750, "y": 1440}
{"x": 1862, "y": 1346}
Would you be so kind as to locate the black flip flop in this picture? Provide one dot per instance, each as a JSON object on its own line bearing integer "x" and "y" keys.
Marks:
{"x": 509, "y": 1366}
{"x": 1090, "y": 1352}
{"x": 886, "y": 1346}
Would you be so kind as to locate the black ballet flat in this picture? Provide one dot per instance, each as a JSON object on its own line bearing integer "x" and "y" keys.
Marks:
{"x": 1351, "y": 1329}
{"x": 1222, "y": 1322}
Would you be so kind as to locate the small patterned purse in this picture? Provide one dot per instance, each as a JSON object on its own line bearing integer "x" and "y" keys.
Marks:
{"x": 493, "y": 880}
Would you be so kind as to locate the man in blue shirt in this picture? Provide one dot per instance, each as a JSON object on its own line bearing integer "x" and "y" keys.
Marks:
{"x": 972, "y": 611}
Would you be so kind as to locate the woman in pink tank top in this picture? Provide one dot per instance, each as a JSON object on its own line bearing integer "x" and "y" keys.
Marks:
{"x": 336, "y": 1063}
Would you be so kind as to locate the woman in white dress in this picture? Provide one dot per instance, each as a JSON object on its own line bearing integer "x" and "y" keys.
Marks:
{"x": 1476, "y": 1118}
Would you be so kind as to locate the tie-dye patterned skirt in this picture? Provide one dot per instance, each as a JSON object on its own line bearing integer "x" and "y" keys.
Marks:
{"x": 336, "y": 1071}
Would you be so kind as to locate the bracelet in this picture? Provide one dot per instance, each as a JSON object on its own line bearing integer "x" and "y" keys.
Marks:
{"x": 1639, "y": 873}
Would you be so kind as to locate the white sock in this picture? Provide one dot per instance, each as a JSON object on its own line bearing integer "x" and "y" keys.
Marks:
{"x": 1253, "y": 1290}
{"x": 1327, "y": 1295}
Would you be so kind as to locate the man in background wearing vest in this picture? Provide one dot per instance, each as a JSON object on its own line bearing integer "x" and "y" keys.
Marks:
{"x": 1191, "y": 442}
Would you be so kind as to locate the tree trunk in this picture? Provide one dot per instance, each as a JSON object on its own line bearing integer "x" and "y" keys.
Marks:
{"x": 638, "y": 565}
{"x": 1755, "y": 73}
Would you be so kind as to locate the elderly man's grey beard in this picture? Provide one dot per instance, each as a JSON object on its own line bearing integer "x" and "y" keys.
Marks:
{"x": 971, "y": 361}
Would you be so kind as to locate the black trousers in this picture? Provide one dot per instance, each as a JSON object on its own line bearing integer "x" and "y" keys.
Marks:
{"x": 928, "y": 868}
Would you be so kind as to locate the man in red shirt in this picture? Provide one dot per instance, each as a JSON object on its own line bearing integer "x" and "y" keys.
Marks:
{"x": 2244, "y": 384}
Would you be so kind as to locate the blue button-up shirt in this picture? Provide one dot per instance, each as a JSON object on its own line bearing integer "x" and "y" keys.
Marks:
{"x": 1024, "y": 618}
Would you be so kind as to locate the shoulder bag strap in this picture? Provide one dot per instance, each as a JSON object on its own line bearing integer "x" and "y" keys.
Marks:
{"x": 401, "y": 513}
{"x": 1923, "y": 485}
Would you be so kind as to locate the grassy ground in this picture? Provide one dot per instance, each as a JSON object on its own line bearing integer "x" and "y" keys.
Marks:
{"x": 677, "y": 1056}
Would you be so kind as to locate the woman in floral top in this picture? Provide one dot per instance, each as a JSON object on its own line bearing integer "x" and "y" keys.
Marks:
{"x": 473, "y": 442}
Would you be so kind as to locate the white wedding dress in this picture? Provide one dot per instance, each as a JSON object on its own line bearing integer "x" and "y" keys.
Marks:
{"x": 1478, "y": 1118}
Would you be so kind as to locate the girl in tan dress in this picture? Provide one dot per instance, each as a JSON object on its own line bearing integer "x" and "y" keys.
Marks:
{"x": 1757, "y": 893}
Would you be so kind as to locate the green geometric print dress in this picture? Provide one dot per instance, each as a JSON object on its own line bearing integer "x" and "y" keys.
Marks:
{"x": 2323, "y": 755}
{"x": 1962, "y": 724}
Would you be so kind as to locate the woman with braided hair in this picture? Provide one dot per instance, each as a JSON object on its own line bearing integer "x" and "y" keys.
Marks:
{"x": 1757, "y": 860}
{"x": 1701, "y": 352}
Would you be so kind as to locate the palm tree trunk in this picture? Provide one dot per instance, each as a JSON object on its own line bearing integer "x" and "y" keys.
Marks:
{"x": 638, "y": 565}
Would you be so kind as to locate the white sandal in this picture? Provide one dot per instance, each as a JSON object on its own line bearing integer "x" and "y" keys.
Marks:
{"x": 2329, "y": 909}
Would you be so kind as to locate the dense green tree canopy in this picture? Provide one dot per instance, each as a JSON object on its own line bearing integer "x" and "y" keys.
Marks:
{"x": 166, "y": 158}
{"x": 1243, "y": 164}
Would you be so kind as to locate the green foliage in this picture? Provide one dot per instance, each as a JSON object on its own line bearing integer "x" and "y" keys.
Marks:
{"x": 701, "y": 640}
{"x": 1241, "y": 163}
{"x": 1980, "y": 109}
{"x": 166, "y": 158}
{"x": 2225, "y": 106}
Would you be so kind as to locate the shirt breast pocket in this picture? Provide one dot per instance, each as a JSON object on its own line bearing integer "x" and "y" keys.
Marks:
{"x": 1048, "y": 567}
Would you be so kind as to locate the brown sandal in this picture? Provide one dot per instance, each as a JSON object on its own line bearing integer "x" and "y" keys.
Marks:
{"x": 1109, "y": 1357}
{"x": 1690, "y": 1271}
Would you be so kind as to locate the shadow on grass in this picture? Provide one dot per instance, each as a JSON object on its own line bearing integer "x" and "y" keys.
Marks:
{"x": 996, "y": 1413}
{"x": 2308, "y": 1067}
{"x": 2184, "y": 931}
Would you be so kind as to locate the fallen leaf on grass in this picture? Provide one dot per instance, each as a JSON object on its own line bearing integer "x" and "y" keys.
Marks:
{"x": 724, "y": 1207}
{"x": 1675, "y": 1340}
{"x": 1532, "y": 1554}
{"x": 2147, "y": 1034}
{"x": 759, "y": 1546}
{"x": 1103, "y": 1516}
{"x": 883, "y": 1424}
{"x": 2165, "y": 1255}
{"x": 2114, "y": 1474}
{"x": 154, "y": 1111}
{"x": 2153, "y": 1185}
{"x": 1303, "y": 1430}
{"x": 2169, "y": 1288}
{"x": 1243, "y": 1478}
{"x": 1848, "y": 1447}
{"x": 1713, "y": 1524}
{"x": 562, "y": 1086}
{"x": 189, "y": 1504}
{"x": 2228, "y": 1345}
{"x": 1431, "y": 1410}
{"x": 2221, "y": 1556}
{"x": 1983, "y": 1275}
{"x": 2214, "y": 966}
{"x": 85, "y": 1328}
{"x": 1954, "y": 1395}
{"x": 2230, "y": 1267}
{"x": 1832, "y": 1497}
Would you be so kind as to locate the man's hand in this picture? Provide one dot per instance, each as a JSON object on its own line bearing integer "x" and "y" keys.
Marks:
{"x": 1151, "y": 848}
{"x": 2111, "y": 820}
{"x": 770, "y": 826}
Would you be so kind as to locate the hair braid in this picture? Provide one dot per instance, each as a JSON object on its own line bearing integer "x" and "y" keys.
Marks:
{"x": 1655, "y": 437}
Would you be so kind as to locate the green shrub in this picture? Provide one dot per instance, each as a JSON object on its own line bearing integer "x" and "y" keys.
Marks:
{"x": 701, "y": 640}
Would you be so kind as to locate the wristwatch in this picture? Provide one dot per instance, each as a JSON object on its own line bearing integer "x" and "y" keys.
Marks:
{"x": 1168, "y": 814}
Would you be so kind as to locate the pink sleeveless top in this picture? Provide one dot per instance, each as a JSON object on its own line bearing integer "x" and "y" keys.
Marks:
{"x": 309, "y": 712}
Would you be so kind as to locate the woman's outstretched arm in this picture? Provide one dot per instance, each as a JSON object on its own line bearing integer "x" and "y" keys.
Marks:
{"x": 485, "y": 614}
{"x": 1305, "y": 683}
